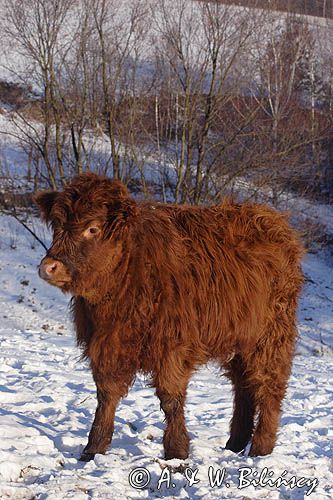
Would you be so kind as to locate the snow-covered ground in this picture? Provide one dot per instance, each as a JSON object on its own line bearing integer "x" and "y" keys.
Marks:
{"x": 47, "y": 401}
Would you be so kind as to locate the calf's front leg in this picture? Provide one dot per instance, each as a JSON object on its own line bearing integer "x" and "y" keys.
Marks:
{"x": 100, "y": 436}
{"x": 175, "y": 439}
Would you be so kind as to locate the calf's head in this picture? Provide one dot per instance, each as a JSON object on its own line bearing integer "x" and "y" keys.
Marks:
{"x": 85, "y": 218}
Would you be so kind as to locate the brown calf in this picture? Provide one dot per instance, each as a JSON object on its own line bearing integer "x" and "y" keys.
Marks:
{"x": 163, "y": 289}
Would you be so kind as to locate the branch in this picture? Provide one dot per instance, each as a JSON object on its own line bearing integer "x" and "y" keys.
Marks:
{"x": 30, "y": 231}
{"x": 15, "y": 216}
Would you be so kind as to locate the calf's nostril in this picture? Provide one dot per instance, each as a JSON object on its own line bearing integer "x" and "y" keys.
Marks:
{"x": 51, "y": 268}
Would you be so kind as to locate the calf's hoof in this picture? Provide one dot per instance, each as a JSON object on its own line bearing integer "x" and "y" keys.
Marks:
{"x": 176, "y": 452}
{"x": 259, "y": 448}
{"x": 176, "y": 446}
{"x": 235, "y": 446}
{"x": 181, "y": 455}
{"x": 86, "y": 457}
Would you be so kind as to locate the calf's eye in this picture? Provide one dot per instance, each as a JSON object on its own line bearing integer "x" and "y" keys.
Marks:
{"x": 91, "y": 232}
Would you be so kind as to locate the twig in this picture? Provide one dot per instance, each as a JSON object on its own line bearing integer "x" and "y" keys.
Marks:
{"x": 13, "y": 214}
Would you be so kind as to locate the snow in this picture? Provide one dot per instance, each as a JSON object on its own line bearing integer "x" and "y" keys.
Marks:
{"x": 47, "y": 401}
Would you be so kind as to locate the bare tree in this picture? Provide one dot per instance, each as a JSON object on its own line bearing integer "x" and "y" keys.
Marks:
{"x": 38, "y": 28}
{"x": 188, "y": 97}
{"x": 284, "y": 138}
{"x": 200, "y": 49}
{"x": 117, "y": 43}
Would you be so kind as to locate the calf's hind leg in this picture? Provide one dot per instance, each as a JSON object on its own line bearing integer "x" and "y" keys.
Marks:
{"x": 271, "y": 365}
{"x": 269, "y": 396}
{"x": 242, "y": 422}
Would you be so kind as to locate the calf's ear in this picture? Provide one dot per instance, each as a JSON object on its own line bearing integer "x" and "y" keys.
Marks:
{"x": 120, "y": 212}
{"x": 45, "y": 200}
{"x": 117, "y": 190}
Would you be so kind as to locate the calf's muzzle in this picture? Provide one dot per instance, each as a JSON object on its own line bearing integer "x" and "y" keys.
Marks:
{"x": 53, "y": 270}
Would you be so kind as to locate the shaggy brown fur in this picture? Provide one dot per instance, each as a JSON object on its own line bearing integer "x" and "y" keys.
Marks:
{"x": 166, "y": 288}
